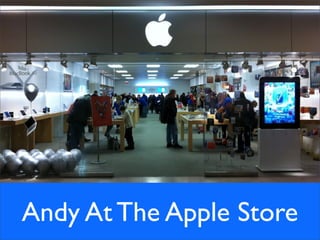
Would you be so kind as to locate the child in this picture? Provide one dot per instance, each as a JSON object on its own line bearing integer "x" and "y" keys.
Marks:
{"x": 128, "y": 123}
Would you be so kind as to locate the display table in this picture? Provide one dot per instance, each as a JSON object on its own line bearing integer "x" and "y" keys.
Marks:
{"x": 191, "y": 120}
{"x": 43, "y": 133}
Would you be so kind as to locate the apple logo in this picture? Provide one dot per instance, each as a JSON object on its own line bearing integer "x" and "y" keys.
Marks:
{"x": 157, "y": 32}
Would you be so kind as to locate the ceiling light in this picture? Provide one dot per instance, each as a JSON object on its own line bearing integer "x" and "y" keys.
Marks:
{"x": 191, "y": 66}
{"x": 152, "y": 75}
{"x": 86, "y": 67}
{"x": 174, "y": 78}
{"x": 153, "y": 65}
{"x": 152, "y": 78}
{"x": 45, "y": 67}
{"x": 294, "y": 69}
{"x": 126, "y": 75}
{"x": 115, "y": 66}
{"x": 177, "y": 75}
{"x": 121, "y": 71}
{"x": 129, "y": 78}
{"x": 64, "y": 63}
{"x": 152, "y": 71}
{"x": 183, "y": 71}
{"x": 4, "y": 67}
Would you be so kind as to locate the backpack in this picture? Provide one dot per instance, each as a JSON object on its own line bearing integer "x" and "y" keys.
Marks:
{"x": 113, "y": 143}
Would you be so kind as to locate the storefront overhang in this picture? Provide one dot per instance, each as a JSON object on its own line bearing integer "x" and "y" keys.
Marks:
{"x": 154, "y": 3}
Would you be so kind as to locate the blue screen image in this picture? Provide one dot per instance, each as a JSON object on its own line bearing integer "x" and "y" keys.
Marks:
{"x": 279, "y": 103}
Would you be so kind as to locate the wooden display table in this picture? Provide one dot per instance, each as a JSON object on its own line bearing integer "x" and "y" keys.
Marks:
{"x": 195, "y": 118}
{"x": 191, "y": 120}
{"x": 43, "y": 133}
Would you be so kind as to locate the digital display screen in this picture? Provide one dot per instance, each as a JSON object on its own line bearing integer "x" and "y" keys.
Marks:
{"x": 279, "y": 102}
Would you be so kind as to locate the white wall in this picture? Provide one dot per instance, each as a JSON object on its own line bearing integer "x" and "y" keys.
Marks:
{"x": 51, "y": 86}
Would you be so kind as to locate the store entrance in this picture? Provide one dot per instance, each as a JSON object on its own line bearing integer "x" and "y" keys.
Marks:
{"x": 209, "y": 146}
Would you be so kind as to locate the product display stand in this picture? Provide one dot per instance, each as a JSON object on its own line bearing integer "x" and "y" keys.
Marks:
{"x": 279, "y": 150}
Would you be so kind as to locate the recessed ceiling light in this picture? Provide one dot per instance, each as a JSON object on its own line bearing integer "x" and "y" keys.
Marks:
{"x": 121, "y": 71}
{"x": 152, "y": 75}
{"x": 183, "y": 71}
{"x": 153, "y": 65}
{"x": 126, "y": 75}
{"x": 178, "y": 75}
{"x": 152, "y": 71}
{"x": 191, "y": 66}
{"x": 129, "y": 78}
{"x": 174, "y": 78}
{"x": 151, "y": 78}
{"x": 115, "y": 66}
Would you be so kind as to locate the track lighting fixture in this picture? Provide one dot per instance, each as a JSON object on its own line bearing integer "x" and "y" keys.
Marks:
{"x": 303, "y": 62}
{"x": 45, "y": 67}
{"x": 64, "y": 63}
{"x": 93, "y": 62}
{"x": 245, "y": 64}
{"x": 259, "y": 62}
{"x": 293, "y": 68}
{"x": 86, "y": 67}
{"x": 28, "y": 62}
{"x": 225, "y": 65}
{"x": 282, "y": 64}
{"x": 4, "y": 67}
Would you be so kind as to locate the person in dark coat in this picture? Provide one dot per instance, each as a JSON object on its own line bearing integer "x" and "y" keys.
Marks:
{"x": 245, "y": 117}
{"x": 77, "y": 119}
{"x": 170, "y": 110}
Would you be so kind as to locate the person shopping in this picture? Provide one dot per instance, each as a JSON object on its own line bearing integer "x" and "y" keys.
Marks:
{"x": 128, "y": 124}
{"x": 170, "y": 111}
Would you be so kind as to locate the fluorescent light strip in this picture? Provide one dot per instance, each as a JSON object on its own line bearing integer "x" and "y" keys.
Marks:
{"x": 174, "y": 78}
{"x": 126, "y": 75}
{"x": 191, "y": 66}
{"x": 183, "y": 71}
{"x": 152, "y": 71}
{"x": 153, "y": 65}
{"x": 161, "y": 8}
{"x": 152, "y": 75}
{"x": 121, "y": 71}
{"x": 115, "y": 66}
{"x": 177, "y": 75}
